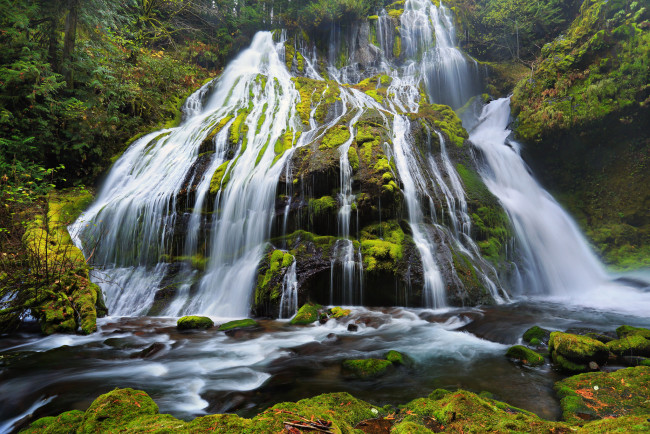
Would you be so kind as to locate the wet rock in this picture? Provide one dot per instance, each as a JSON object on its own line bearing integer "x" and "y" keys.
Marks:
{"x": 194, "y": 322}
{"x": 238, "y": 324}
{"x": 631, "y": 345}
{"x": 307, "y": 314}
{"x": 599, "y": 395}
{"x": 365, "y": 369}
{"x": 353, "y": 327}
{"x": 397, "y": 358}
{"x": 572, "y": 353}
{"x": 525, "y": 355}
{"x": 625, "y": 331}
{"x": 536, "y": 335}
{"x": 150, "y": 351}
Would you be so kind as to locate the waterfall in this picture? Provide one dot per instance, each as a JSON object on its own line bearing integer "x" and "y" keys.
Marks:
{"x": 557, "y": 258}
{"x": 132, "y": 227}
{"x": 449, "y": 75}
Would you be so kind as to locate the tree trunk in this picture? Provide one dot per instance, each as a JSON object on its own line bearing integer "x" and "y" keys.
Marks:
{"x": 69, "y": 41}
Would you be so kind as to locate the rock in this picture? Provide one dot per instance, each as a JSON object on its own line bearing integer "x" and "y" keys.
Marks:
{"x": 573, "y": 353}
{"x": 115, "y": 409}
{"x": 353, "y": 327}
{"x": 598, "y": 395}
{"x": 307, "y": 314}
{"x": 600, "y": 337}
{"x": 631, "y": 345}
{"x": 240, "y": 323}
{"x": 593, "y": 366}
{"x": 625, "y": 331}
{"x": 150, "y": 351}
{"x": 397, "y": 358}
{"x": 536, "y": 335}
{"x": 367, "y": 368}
{"x": 338, "y": 312}
{"x": 194, "y": 322}
{"x": 525, "y": 355}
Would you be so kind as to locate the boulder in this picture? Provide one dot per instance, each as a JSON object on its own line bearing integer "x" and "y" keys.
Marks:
{"x": 573, "y": 353}
{"x": 237, "y": 324}
{"x": 625, "y": 330}
{"x": 525, "y": 355}
{"x": 194, "y": 322}
{"x": 367, "y": 368}
{"x": 631, "y": 345}
{"x": 536, "y": 335}
{"x": 307, "y": 314}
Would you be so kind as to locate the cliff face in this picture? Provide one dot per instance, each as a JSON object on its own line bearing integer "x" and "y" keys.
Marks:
{"x": 585, "y": 117}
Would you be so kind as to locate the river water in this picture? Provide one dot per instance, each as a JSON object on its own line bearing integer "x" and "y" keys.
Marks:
{"x": 202, "y": 372}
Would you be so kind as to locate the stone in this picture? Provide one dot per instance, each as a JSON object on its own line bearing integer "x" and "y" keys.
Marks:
{"x": 525, "y": 355}
{"x": 353, "y": 327}
{"x": 194, "y": 322}
{"x": 573, "y": 353}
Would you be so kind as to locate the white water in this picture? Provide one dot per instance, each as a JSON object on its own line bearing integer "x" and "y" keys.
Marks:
{"x": 557, "y": 260}
{"x": 133, "y": 220}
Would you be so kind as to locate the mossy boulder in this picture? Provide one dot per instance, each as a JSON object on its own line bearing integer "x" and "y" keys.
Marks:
{"x": 599, "y": 395}
{"x": 64, "y": 423}
{"x": 625, "y": 331}
{"x": 573, "y": 353}
{"x": 114, "y": 410}
{"x": 367, "y": 368}
{"x": 338, "y": 312}
{"x": 536, "y": 335}
{"x": 307, "y": 314}
{"x": 630, "y": 345}
{"x": 525, "y": 355}
{"x": 194, "y": 322}
{"x": 397, "y": 358}
{"x": 237, "y": 324}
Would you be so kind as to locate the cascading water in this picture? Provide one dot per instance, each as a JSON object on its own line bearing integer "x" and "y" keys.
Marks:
{"x": 449, "y": 75}
{"x": 133, "y": 220}
{"x": 556, "y": 258}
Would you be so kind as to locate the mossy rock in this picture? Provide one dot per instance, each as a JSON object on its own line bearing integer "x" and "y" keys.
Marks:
{"x": 625, "y": 331}
{"x": 397, "y": 358}
{"x": 339, "y": 312}
{"x": 574, "y": 353}
{"x": 194, "y": 322}
{"x": 600, "y": 395}
{"x": 64, "y": 423}
{"x": 525, "y": 355}
{"x": 367, "y": 368}
{"x": 114, "y": 410}
{"x": 631, "y": 345}
{"x": 307, "y": 314}
{"x": 240, "y": 323}
{"x": 536, "y": 335}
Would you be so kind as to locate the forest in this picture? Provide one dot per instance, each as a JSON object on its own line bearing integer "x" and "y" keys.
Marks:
{"x": 366, "y": 193}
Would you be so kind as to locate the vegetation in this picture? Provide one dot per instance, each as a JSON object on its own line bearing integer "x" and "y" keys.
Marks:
{"x": 194, "y": 322}
{"x": 595, "y": 402}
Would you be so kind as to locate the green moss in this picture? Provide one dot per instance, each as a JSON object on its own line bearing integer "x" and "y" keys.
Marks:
{"x": 382, "y": 254}
{"x": 315, "y": 93}
{"x": 114, "y": 410}
{"x": 395, "y": 357}
{"x": 631, "y": 345}
{"x": 194, "y": 322}
{"x": 240, "y": 323}
{"x": 353, "y": 158}
{"x": 64, "y": 423}
{"x": 307, "y": 314}
{"x": 599, "y": 394}
{"x": 397, "y": 46}
{"x": 269, "y": 280}
{"x": 443, "y": 119}
{"x": 525, "y": 355}
{"x": 335, "y": 137}
{"x": 536, "y": 332}
{"x": 367, "y": 368}
{"x": 216, "y": 183}
{"x": 574, "y": 352}
{"x": 324, "y": 205}
{"x": 625, "y": 331}
{"x": 338, "y": 312}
